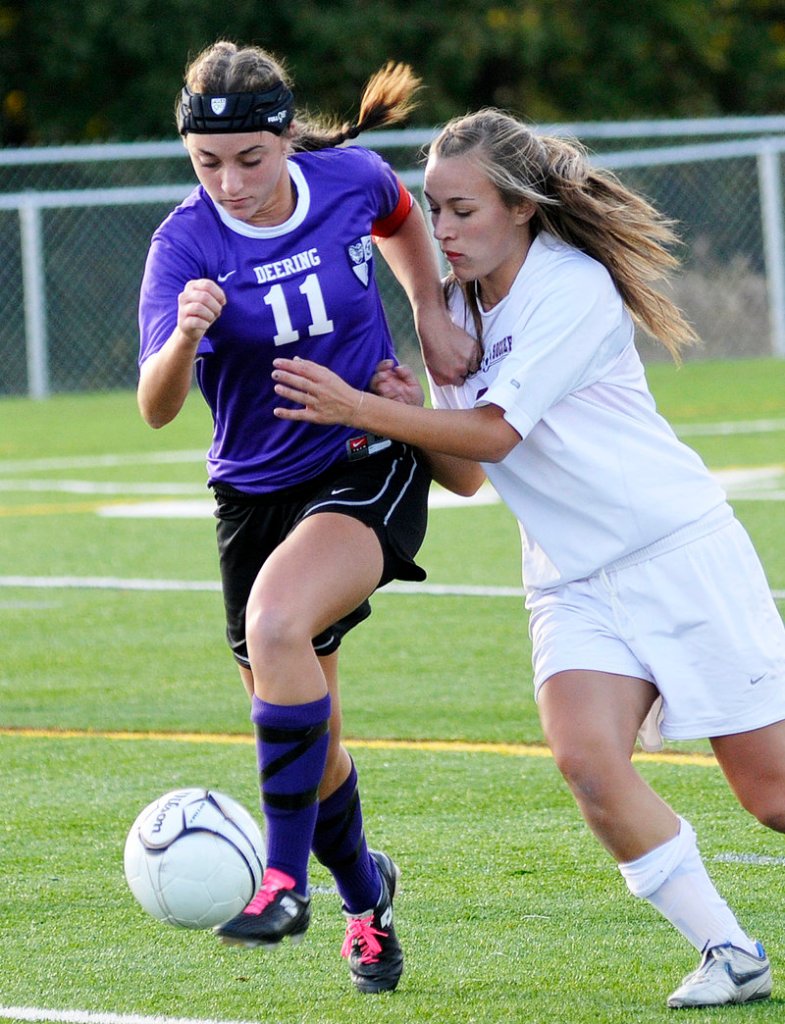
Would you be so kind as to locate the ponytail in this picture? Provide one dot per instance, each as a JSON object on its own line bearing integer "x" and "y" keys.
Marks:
{"x": 387, "y": 98}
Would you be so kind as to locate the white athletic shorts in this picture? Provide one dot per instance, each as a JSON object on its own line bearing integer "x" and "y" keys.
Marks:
{"x": 692, "y": 613}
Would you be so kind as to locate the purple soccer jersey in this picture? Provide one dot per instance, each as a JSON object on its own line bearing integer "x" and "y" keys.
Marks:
{"x": 303, "y": 288}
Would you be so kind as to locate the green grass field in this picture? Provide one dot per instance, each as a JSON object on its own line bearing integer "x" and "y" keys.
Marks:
{"x": 112, "y": 692}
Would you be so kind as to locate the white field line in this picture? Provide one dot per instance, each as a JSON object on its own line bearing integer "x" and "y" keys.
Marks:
{"x": 764, "y": 426}
{"x": 173, "y": 501}
{"x": 106, "y": 583}
{"x": 729, "y": 427}
{"x": 747, "y": 858}
{"x": 758, "y": 483}
{"x": 119, "y": 583}
{"x": 762, "y": 483}
{"x": 187, "y": 508}
{"x": 200, "y": 507}
{"x": 36, "y": 1013}
{"x": 98, "y": 487}
{"x": 99, "y": 461}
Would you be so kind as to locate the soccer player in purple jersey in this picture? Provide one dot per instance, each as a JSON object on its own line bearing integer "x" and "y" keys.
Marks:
{"x": 273, "y": 253}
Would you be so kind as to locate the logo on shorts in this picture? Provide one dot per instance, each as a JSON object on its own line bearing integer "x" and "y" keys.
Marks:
{"x": 360, "y": 255}
{"x": 357, "y": 445}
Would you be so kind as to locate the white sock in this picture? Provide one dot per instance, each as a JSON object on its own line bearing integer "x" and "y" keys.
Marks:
{"x": 673, "y": 879}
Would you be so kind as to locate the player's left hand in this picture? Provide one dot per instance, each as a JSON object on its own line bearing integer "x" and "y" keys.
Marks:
{"x": 324, "y": 396}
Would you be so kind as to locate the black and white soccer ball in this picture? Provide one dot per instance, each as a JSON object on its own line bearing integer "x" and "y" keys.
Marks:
{"x": 194, "y": 858}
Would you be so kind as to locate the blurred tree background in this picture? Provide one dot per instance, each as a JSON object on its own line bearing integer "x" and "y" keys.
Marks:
{"x": 102, "y": 70}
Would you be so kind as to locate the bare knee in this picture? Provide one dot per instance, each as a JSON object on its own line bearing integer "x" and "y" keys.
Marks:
{"x": 769, "y": 810}
{"x": 773, "y": 819}
{"x": 273, "y": 630}
{"x": 601, "y": 784}
{"x": 581, "y": 773}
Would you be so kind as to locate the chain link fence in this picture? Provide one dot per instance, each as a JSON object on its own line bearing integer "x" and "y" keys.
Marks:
{"x": 75, "y": 224}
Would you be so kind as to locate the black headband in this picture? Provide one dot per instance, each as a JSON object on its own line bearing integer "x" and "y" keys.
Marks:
{"x": 204, "y": 114}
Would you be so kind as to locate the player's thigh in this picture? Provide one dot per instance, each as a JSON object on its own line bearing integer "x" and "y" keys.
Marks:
{"x": 754, "y": 764}
{"x": 328, "y": 565}
{"x": 593, "y": 717}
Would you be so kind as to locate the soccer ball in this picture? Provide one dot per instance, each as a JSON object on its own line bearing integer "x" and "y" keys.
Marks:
{"x": 194, "y": 858}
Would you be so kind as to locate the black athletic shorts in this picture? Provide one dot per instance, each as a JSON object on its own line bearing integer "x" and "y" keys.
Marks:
{"x": 387, "y": 490}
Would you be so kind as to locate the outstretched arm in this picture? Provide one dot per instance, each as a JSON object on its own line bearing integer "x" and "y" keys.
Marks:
{"x": 399, "y": 383}
{"x": 481, "y": 434}
{"x": 449, "y": 352}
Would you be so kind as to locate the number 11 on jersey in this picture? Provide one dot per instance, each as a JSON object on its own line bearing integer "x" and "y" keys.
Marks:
{"x": 285, "y": 334}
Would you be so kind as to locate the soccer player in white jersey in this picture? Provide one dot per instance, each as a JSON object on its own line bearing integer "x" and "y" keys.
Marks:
{"x": 273, "y": 252}
{"x": 649, "y": 608}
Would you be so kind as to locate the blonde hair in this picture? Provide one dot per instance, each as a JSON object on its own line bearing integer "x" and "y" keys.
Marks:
{"x": 585, "y": 206}
{"x": 225, "y": 67}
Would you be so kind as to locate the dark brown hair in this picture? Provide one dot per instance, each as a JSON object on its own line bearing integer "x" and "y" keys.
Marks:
{"x": 225, "y": 67}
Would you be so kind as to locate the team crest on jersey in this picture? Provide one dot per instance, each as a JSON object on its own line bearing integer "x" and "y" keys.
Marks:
{"x": 218, "y": 104}
{"x": 361, "y": 254}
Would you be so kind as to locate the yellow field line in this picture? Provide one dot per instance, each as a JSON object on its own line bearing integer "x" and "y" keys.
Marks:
{"x": 442, "y": 746}
{"x": 64, "y": 507}
{"x": 55, "y": 510}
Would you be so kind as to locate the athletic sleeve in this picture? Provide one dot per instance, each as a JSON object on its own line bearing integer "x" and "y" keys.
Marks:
{"x": 168, "y": 267}
{"x": 389, "y": 201}
{"x": 386, "y": 226}
{"x": 562, "y": 341}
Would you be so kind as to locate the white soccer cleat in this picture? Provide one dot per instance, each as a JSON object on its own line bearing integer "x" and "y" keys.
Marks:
{"x": 726, "y": 974}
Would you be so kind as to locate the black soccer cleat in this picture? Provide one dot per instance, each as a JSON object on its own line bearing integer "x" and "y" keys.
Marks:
{"x": 371, "y": 946}
{"x": 276, "y": 912}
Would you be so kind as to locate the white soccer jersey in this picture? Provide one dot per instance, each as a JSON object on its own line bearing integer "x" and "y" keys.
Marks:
{"x": 598, "y": 473}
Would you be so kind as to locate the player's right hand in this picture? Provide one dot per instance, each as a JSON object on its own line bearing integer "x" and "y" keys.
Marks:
{"x": 199, "y": 305}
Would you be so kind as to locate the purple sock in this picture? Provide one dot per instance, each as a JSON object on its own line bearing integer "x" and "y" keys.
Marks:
{"x": 339, "y": 844}
{"x": 291, "y": 750}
